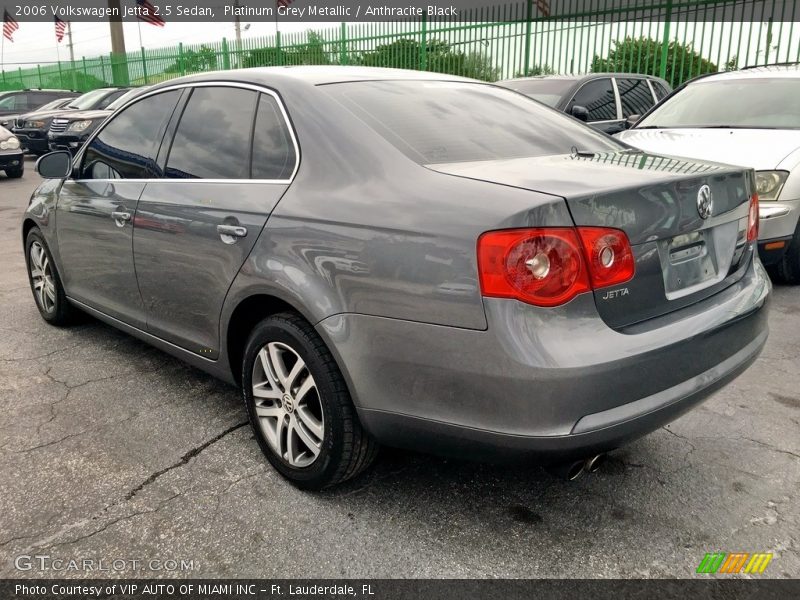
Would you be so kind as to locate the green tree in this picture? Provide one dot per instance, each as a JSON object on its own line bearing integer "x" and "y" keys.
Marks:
{"x": 537, "y": 70}
{"x": 643, "y": 55}
{"x": 439, "y": 57}
{"x": 204, "y": 59}
{"x": 312, "y": 52}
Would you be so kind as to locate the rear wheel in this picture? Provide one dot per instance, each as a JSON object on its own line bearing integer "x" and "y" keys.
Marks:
{"x": 788, "y": 269}
{"x": 48, "y": 292}
{"x": 299, "y": 406}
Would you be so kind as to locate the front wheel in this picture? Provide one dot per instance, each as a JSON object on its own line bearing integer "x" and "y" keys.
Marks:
{"x": 299, "y": 406}
{"x": 48, "y": 292}
{"x": 15, "y": 173}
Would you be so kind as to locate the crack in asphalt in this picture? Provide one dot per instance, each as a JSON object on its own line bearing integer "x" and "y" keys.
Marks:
{"x": 186, "y": 458}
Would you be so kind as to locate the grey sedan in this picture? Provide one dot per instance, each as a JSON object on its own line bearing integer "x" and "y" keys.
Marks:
{"x": 404, "y": 258}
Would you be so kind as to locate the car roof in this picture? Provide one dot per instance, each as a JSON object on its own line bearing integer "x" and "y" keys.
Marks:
{"x": 314, "y": 75}
{"x": 581, "y": 77}
{"x": 771, "y": 71}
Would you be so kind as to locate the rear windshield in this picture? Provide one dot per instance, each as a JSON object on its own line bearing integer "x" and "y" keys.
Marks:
{"x": 440, "y": 122}
{"x": 762, "y": 103}
{"x": 547, "y": 91}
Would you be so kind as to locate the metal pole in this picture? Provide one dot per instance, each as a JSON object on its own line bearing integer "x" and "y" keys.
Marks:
{"x": 72, "y": 57}
{"x": 528, "y": 23}
{"x": 119, "y": 65}
{"x": 665, "y": 42}
{"x": 237, "y": 24}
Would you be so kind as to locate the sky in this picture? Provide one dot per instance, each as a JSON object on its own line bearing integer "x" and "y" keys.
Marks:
{"x": 35, "y": 43}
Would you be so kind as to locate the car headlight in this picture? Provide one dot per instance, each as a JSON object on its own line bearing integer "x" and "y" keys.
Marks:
{"x": 11, "y": 143}
{"x": 770, "y": 183}
{"x": 34, "y": 124}
{"x": 79, "y": 126}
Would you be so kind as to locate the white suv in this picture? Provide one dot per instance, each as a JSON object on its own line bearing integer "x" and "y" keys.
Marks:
{"x": 750, "y": 118}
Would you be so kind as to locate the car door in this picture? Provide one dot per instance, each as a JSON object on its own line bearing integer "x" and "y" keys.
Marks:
{"x": 635, "y": 95}
{"x": 598, "y": 97}
{"x": 231, "y": 158}
{"x": 96, "y": 209}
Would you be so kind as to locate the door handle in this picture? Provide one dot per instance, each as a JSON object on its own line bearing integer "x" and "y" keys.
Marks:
{"x": 120, "y": 217}
{"x": 229, "y": 233}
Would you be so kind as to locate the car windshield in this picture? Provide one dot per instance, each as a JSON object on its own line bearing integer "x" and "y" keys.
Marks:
{"x": 124, "y": 98}
{"x": 440, "y": 122}
{"x": 88, "y": 100}
{"x": 53, "y": 104}
{"x": 547, "y": 91}
{"x": 761, "y": 103}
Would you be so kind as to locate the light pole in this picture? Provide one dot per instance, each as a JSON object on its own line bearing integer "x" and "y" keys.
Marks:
{"x": 119, "y": 63}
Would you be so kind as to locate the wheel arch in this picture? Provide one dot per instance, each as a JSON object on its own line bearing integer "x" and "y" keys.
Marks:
{"x": 248, "y": 312}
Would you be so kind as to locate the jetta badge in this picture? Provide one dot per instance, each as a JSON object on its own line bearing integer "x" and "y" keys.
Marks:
{"x": 705, "y": 202}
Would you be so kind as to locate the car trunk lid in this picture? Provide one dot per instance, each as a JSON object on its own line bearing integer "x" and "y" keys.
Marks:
{"x": 681, "y": 257}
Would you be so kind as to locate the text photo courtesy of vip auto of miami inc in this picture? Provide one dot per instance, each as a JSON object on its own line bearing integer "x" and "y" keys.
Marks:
{"x": 400, "y": 299}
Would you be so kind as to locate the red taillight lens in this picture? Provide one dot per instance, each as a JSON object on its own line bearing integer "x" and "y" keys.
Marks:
{"x": 548, "y": 266}
{"x": 609, "y": 254}
{"x": 752, "y": 219}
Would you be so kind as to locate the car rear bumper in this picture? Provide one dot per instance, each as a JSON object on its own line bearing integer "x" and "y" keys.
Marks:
{"x": 11, "y": 159}
{"x": 540, "y": 382}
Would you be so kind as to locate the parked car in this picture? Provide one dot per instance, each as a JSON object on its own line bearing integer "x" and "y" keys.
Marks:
{"x": 8, "y": 121}
{"x": 603, "y": 100}
{"x": 12, "y": 159}
{"x": 751, "y": 118}
{"x": 32, "y": 128}
{"x": 610, "y": 297}
{"x": 22, "y": 101}
{"x": 70, "y": 130}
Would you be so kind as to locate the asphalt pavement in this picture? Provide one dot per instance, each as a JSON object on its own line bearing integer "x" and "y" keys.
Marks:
{"x": 111, "y": 450}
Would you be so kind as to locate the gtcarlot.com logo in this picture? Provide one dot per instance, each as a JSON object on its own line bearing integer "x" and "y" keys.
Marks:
{"x": 45, "y": 562}
{"x": 734, "y": 562}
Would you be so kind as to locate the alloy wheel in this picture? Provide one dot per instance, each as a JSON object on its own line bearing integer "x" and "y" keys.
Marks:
{"x": 287, "y": 404}
{"x": 42, "y": 278}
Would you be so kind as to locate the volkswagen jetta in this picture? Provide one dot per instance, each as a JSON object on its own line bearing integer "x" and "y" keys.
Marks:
{"x": 406, "y": 258}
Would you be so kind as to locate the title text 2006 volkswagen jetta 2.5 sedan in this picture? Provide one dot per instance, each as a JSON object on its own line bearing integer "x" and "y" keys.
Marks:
{"x": 412, "y": 259}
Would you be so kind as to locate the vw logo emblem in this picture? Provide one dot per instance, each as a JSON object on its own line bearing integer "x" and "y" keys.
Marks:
{"x": 705, "y": 202}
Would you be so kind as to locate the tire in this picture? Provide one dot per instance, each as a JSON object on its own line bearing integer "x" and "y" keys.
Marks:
{"x": 288, "y": 425}
{"x": 788, "y": 269}
{"x": 55, "y": 308}
{"x": 15, "y": 173}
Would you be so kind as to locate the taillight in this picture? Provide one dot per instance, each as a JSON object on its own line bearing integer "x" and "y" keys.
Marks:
{"x": 752, "y": 219}
{"x": 549, "y": 266}
{"x": 609, "y": 254}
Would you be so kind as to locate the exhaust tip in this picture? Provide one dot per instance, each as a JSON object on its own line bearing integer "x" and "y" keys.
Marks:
{"x": 568, "y": 471}
{"x": 594, "y": 463}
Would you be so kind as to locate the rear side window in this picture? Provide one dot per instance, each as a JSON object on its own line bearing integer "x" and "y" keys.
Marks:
{"x": 597, "y": 97}
{"x": 213, "y": 137}
{"x": 659, "y": 89}
{"x": 635, "y": 96}
{"x": 126, "y": 147}
{"x": 273, "y": 152}
{"x": 14, "y": 102}
{"x": 439, "y": 121}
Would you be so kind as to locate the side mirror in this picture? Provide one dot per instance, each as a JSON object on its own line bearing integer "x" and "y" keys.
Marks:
{"x": 55, "y": 165}
{"x": 580, "y": 112}
{"x": 632, "y": 120}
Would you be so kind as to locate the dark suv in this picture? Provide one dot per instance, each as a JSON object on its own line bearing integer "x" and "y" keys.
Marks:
{"x": 22, "y": 101}
{"x": 31, "y": 128}
{"x": 603, "y": 100}
{"x": 70, "y": 130}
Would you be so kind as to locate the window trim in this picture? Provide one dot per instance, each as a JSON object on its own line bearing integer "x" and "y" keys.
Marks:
{"x": 234, "y": 84}
{"x": 649, "y": 82}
